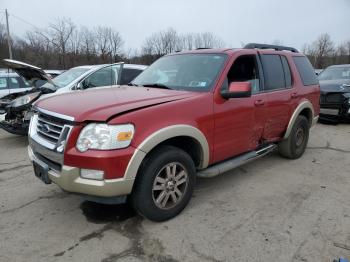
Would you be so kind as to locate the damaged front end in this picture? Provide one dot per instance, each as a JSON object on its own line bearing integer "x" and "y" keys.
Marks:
{"x": 18, "y": 111}
{"x": 17, "y": 107}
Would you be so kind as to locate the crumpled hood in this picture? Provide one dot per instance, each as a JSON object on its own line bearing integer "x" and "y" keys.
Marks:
{"x": 335, "y": 86}
{"x": 102, "y": 104}
{"x": 29, "y": 72}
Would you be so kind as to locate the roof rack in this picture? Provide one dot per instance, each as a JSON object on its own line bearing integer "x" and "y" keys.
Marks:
{"x": 275, "y": 47}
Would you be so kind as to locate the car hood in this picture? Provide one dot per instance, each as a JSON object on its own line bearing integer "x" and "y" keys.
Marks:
{"x": 103, "y": 104}
{"x": 28, "y": 72}
{"x": 335, "y": 86}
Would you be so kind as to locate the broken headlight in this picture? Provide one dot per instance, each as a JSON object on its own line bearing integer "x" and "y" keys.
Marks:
{"x": 26, "y": 99}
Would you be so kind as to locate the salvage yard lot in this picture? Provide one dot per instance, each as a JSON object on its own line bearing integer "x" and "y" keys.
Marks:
{"x": 272, "y": 209}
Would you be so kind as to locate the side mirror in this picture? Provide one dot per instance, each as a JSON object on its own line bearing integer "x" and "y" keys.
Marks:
{"x": 237, "y": 89}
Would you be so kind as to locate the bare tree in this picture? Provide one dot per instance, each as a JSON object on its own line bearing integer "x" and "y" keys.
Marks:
{"x": 320, "y": 49}
{"x": 59, "y": 34}
{"x": 207, "y": 40}
{"x": 116, "y": 43}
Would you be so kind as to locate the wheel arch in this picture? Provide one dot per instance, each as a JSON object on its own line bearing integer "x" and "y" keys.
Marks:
{"x": 172, "y": 135}
{"x": 306, "y": 109}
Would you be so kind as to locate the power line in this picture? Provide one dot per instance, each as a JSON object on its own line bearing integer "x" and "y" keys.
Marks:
{"x": 24, "y": 21}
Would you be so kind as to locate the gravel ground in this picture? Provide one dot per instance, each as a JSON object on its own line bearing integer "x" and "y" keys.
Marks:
{"x": 272, "y": 209}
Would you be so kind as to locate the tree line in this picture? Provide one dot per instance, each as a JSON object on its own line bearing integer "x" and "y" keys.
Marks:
{"x": 62, "y": 45}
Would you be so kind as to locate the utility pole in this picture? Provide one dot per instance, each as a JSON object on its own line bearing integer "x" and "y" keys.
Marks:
{"x": 8, "y": 33}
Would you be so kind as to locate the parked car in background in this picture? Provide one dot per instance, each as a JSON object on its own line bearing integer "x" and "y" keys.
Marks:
{"x": 17, "y": 107}
{"x": 201, "y": 112}
{"x": 335, "y": 93}
{"x": 54, "y": 73}
{"x": 11, "y": 83}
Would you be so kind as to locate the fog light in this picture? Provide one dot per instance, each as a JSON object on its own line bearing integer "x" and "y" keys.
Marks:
{"x": 92, "y": 174}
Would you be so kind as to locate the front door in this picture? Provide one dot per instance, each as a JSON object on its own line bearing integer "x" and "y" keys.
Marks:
{"x": 239, "y": 122}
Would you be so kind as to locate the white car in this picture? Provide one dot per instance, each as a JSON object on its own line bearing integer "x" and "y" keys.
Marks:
{"x": 11, "y": 83}
{"x": 17, "y": 107}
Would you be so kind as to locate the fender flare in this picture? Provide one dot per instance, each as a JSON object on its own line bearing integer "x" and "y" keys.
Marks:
{"x": 164, "y": 134}
{"x": 303, "y": 105}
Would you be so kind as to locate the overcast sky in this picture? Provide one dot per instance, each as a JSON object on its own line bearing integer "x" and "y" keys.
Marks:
{"x": 292, "y": 22}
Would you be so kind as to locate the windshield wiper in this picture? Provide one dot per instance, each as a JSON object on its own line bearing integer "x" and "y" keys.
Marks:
{"x": 157, "y": 85}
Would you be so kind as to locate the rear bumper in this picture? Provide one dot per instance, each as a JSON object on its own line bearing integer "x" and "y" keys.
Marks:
{"x": 69, "y": 179}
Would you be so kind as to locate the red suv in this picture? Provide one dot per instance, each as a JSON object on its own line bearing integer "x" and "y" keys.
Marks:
{"x": 196, "y": 113}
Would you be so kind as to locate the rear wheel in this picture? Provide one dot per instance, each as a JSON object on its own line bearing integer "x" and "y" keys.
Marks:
{"x": 165, "y": 184}
{"x": 294, "y": 146}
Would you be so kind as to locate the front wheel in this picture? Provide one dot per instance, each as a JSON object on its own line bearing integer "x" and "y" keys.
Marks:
{"x": 165, "y": 183}
{"x": 294, "y": 146}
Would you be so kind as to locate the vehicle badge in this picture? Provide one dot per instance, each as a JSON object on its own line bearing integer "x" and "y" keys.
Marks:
{"x": 45, "y": 128}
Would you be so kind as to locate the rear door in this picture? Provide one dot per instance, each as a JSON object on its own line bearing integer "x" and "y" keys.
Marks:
{"x": 280, "y": 94}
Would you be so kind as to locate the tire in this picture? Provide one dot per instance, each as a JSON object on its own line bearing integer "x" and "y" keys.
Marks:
{"x": 294, "y": 146}
{"x": 158, "y": 182}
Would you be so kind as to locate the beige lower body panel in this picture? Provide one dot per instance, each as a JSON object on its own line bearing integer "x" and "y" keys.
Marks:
{"x": 69, "y": 179}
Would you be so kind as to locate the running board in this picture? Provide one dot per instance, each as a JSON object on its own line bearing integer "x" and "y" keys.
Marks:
{"x": 232, "y": 163}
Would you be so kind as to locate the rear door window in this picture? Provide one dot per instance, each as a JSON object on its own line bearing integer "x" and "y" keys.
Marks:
{"x": 3, "y": 83}
{"x": 273, "y": 72}
{"x": 306, "y": 72}
{"x": 14, "y": 83}
{"x": 286, "y": 69}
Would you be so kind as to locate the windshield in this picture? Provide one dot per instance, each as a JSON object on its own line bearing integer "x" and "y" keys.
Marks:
{"x": 66, "y": 78}
{"x": 335, "y": 73}
{"x": 191, "y": 72}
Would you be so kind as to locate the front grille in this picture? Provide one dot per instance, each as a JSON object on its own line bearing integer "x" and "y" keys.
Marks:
{"x": 334, "y": 98}
{"x": 50, "y": 128}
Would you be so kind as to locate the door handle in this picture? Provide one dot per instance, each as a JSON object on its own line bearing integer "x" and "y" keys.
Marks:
{"x": 294, "y": 95}
{"x": 259, "y": 102}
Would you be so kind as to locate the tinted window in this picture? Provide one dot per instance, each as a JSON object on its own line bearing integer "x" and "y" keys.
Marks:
{"x": 273, "y": 72}
{"x": 305, "y": 70}
{"x": 287, "y": 75}
{"x": 128, "y": 75}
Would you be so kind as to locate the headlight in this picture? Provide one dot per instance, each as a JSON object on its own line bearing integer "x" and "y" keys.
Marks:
{"x": 105, "y": 137}
{"x": 23, "y": 100}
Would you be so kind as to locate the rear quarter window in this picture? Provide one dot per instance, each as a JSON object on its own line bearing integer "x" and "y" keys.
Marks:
{"x": 306, "y": 71}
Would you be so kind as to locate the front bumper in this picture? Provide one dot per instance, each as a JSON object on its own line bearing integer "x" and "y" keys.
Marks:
{"x": 335, "y": 106}
{"x": 69, "y": 179}
{"x": 335, "y": 112}
{"x": 60, "y": 163}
